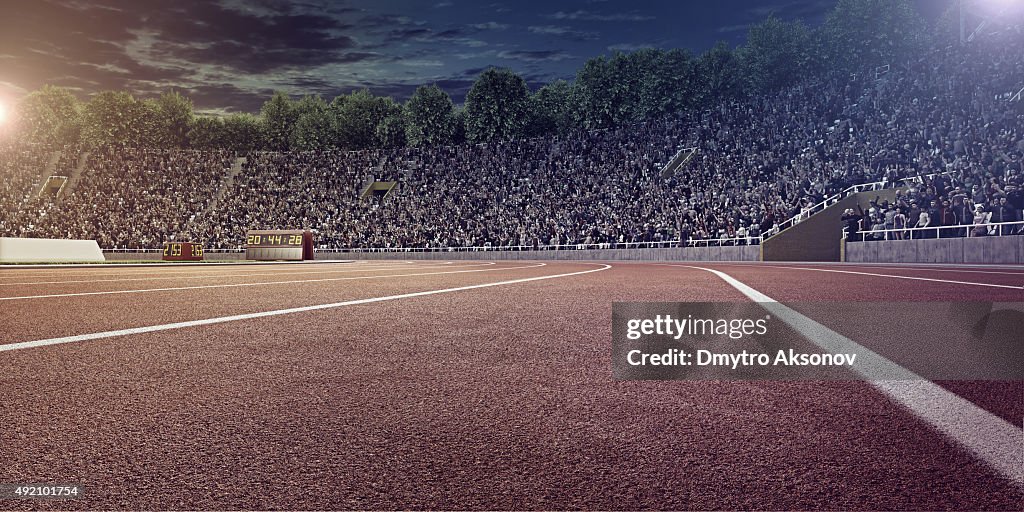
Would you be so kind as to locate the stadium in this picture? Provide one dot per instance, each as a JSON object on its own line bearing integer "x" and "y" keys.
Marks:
{"x": 229, "y": 282}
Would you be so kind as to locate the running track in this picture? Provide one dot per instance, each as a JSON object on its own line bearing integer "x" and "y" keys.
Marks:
{"x": 467, "y": 385}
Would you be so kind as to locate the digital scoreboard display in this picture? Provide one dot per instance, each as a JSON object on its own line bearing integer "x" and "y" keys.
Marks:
{"x": 183, "y": 251}
{"x": 279, "y": 244}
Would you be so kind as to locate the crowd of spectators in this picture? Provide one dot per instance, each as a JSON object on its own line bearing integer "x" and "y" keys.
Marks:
{"x": 21, "y": 169}
{"x": 755, "y": 164}
{"x": 129, "y": 198}
{"x": 946, "y": 206}
{"x": 961, "y": 100}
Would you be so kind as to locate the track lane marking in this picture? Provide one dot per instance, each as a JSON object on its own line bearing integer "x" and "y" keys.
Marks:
{"x": 985, "y": 435}
{"x": 914, "y": 267}
{"x": 186, "y": 267}
{"x": 136, "y": 276}
{"x": 975, "y": 268}
{"x": 196, "y": 269}
{"x": 262, "y": 283}
{"x": 913, "y": 278}
{"x": 933, "y": 269}
{"x": 250, "y": 316}
{"x": 234, "y": 275}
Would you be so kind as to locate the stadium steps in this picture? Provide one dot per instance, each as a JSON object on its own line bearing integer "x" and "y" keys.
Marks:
{"x": 226, "y": 184}
{"x": 819, "y": 236}
{"x": 48, "y": 170}
{"x": 51, "y": 165}
{"x": 682, "y": 157}
{"x": 76, "y": 174}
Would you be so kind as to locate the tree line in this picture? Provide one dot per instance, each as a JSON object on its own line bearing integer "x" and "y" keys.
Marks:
{"x": 607, "y": 91}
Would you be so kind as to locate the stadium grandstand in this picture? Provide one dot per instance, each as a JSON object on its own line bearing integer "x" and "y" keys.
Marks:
{"x": 942, "y": 122}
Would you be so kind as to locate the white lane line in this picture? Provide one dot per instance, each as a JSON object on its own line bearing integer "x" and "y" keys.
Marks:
{"x": 228, "y": 267}
{"x": 241, "y": 265}
{"x": 912, "y": 278}
{"x": 234, "y": 275}
{"x": 139, "y": 276}
{"x": 989, "y": 437}
{"x": 262, "y": 283}
{"x": 946, "y": 267}
{"x": 933, "y": 269}
{"x": 278, "y": 312}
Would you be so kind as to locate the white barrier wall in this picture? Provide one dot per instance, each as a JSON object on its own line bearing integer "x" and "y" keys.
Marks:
{"x": 46, "y": 250}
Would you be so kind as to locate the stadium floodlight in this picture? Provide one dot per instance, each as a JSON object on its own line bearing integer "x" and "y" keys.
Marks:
{"x": 3, "y": 112}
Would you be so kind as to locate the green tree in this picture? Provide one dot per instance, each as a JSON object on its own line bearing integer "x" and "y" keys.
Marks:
{"x": 173, "y": 121}
{"x": 460, "y": 125}
{"x": 630, "y": 87}
{"x": 117, "y": 118}
{"x": 359, "y": 116}
{"x": 50, "y": 116}
{"x": 242, "y": 132}
{"x": 551, "y": 110}
{"x": 718, "y": 76}
{"x": 666, "y": 82}
{"x": 430, "y": 117}
{"x": 278, "y": 118}
{"x": 391, "y": 131}
{"x": 314, "y": 128}
{"x": 207, "y": 133}
{"x": 149, "y": 124}
{"x": 497, "y": 106}
{"x": 627, "y": 76}
{"x": 593, "y": 101}
{"x": 862, "y": 34}
{"x": 777, "y": 54}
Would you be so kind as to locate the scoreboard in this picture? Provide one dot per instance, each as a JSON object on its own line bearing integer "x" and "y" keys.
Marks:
{"x": 279, "y": 244}
{"x": 183, "y": 251}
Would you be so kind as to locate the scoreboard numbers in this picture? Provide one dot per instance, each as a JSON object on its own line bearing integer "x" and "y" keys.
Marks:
{"x": 183, "y": 251}
{"x": 269, "y": 245}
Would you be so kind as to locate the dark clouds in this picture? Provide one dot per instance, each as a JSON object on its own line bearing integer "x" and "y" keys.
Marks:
{"x": 535, "y": 56}
{"x": 230, "y": 54}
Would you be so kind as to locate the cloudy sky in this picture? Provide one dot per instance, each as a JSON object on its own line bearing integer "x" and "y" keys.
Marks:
{"x": 229, "y": 55}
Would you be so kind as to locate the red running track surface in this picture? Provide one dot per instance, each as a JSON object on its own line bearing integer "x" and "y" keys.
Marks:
{"x": 484, "y": 398}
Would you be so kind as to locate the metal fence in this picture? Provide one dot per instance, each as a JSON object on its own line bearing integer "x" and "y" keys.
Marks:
{"x": 806, "y": 213}
{"x": 957, "y": 231}
{"x": 716, "y": 242}
{"x": 126, "y": 250}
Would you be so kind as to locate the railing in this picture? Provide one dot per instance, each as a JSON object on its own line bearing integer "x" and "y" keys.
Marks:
{"x": 957, "y": 231}
{"x": 678, "y": 160}
{"x": 806, "y": 213}
{"x": 1016, "y": 97}
{"x": 124, "y": 250}
{"x": 711, "y": 242}
{"x": 714, "y": 242}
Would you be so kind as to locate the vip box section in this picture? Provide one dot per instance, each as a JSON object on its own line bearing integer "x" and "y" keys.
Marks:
{"x": 818, "y": 341}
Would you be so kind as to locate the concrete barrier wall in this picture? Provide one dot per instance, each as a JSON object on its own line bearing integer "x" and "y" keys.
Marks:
{"x": 739, "y": 253}
{"x": 46, "y": 250}
{"x": 156, "y": 256}
{"x": 1005, "y": 250}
